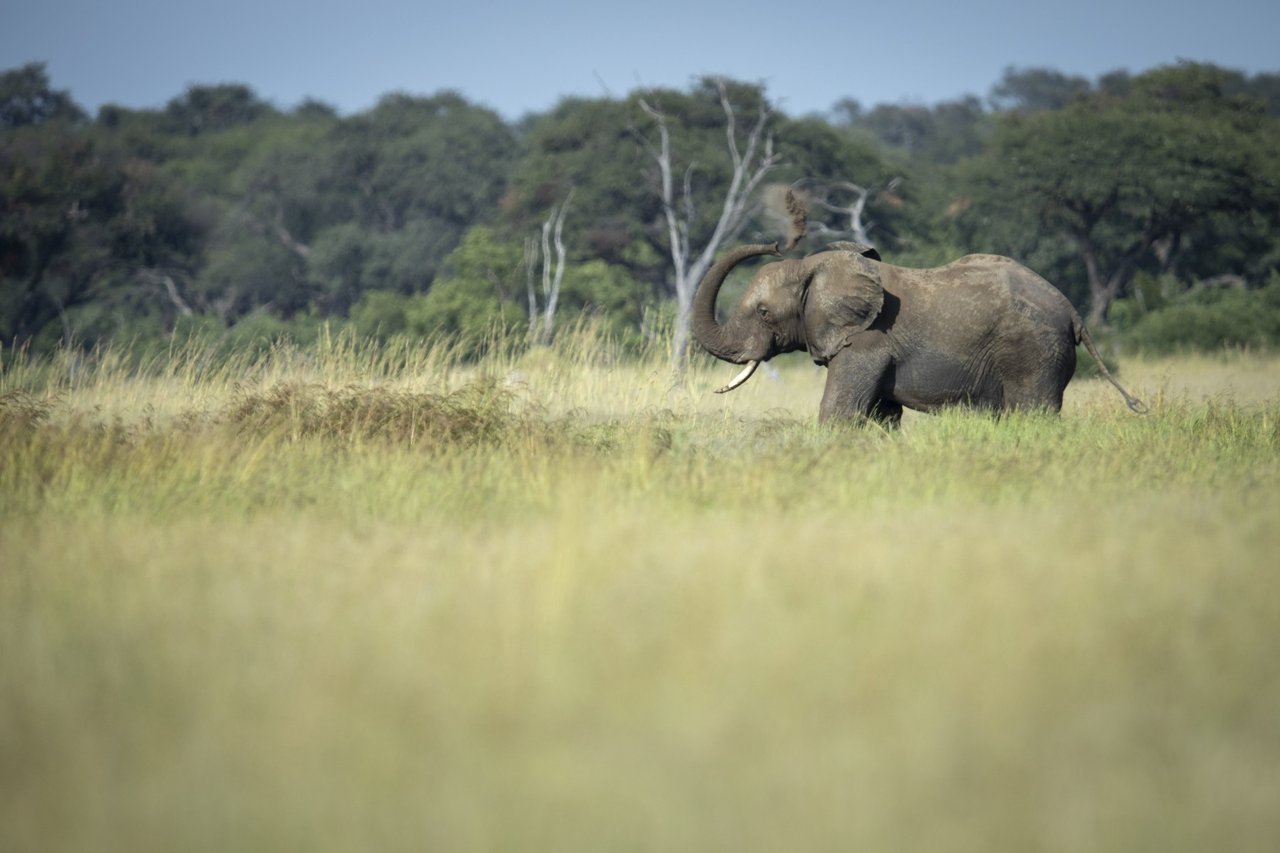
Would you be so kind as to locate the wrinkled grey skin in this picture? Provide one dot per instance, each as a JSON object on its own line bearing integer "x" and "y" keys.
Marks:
{"x": 982, "y": 331}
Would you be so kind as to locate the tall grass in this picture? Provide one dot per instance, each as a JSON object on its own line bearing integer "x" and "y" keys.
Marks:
{"x": 363, "y": 598}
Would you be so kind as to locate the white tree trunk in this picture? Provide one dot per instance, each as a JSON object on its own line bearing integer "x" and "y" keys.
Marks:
{"x": 550, "y": 282}
{"x": 749, "y": 169}
{"x": 542, "y": 320}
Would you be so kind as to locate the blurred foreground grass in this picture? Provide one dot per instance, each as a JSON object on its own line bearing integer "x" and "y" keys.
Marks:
{"x": 359, "y": 599}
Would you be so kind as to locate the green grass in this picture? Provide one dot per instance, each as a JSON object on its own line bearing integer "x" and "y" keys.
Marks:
{"x": 352, "y": 598}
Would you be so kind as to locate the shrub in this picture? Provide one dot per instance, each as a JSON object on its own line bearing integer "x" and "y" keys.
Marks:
{"x": 1208, "y": 319}
{"x": 258, "y": 332}
{"x": 480, "y": 413}
{"x": 381, "y": 314}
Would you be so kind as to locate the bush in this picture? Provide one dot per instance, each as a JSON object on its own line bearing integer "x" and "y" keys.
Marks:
{"x": 258, "y": 332}
{"x": 479, "y": 414}
{"x": 381, "y": 314}
{"x": 1209, "y": 319}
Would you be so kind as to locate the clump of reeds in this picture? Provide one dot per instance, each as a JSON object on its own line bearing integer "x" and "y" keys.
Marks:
{"x": 481, "y": 413}
{"x": 20, "y": 410}
{"x": 484, "y": 413}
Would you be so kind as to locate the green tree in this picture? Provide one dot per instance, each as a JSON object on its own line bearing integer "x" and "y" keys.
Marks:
{"x": 479, "y": 291}
{"x": 437, "y": 159}
{"x": 317, "y": 210}
{"x": 387, "y": 194}
{"x": 348, "y": 260}
{"x": 606, "y": 291}
{"x": 650, "y": 175}
{"x": 929, "y": 135}
{"x": 1266, "y": 88}
{"x": 382, "y": 314}
{"x": 27, "y": 98}
{"x": 1033, "y": 90}
{"x": 589, "y": 145}
{"x": 82, "y": 221}
{"x": 1122, "y": 179}
{"x": 209, "y": 109}
{"x": 240, "y": 275}
{"x": 610, "y": 152}
{"x": 271, "y": 187}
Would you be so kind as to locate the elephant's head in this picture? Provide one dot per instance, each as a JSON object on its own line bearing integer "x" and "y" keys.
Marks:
{"x": 817, "y": 303}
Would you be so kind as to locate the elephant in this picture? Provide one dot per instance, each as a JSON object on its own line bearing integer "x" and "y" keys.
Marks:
{"x": 983, "y": 331}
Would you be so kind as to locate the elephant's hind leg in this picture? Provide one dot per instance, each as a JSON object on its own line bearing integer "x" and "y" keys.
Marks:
{"x": 1036, "y": 401}
{"x": 1041, "y": 391}
{"x": 1038, "y": 382}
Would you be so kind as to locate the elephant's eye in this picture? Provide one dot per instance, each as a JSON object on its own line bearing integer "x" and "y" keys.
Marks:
{"x": 763, "y": 310}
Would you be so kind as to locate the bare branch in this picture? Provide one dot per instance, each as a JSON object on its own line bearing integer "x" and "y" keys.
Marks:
{"x": 741, "y": 185}
{"x": 737, "y": 207}
{"x": 730, "y": 126}
{"x": 677, "y": 233}
{"x": 163, "y": 280}
{"x": 661, "y": 119}
{"x": 690, "y": 209}
{"x": 300, "y": 249}
{"x": 553, "y": 290}
{"x": 855, "y": 210}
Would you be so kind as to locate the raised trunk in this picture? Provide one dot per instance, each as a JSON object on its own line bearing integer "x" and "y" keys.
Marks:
{"x": 708, "y": 332}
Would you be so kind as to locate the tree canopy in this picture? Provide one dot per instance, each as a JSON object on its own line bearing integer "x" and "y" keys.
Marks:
{"x": 27, "y": 98}
{"x": 1133, "y": 180}
{"x": 423, "y": 214}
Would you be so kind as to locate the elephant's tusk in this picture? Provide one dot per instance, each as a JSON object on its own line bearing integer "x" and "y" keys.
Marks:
{"x": 741, "y": 377}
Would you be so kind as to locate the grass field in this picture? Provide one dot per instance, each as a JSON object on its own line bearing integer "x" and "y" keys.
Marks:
{"x": 373, "y": 599}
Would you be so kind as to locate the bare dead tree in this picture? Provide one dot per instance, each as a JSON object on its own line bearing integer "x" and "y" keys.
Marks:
{"x": 854, "y": 210}
{"x": 751, "y": 162}
{"x": 542, "y": 321}
{"x": 286, "y": 239}
{"x": 551, "y": 283}
{"x": 169, "y": 283}
{"x": 162, "y": 280}
{"x": 250, "y": 211}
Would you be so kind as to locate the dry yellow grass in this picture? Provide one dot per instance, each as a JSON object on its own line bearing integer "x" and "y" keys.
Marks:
{"x": 624, "y": 615}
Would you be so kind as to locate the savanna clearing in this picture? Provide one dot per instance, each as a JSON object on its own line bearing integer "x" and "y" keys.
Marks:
{"x": 377, "y": 599}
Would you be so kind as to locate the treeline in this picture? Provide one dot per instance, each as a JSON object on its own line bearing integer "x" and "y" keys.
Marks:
{"x": 223, "y": 214}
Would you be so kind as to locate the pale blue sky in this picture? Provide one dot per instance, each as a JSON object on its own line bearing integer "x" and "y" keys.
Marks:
{"x": 519, "y": 57}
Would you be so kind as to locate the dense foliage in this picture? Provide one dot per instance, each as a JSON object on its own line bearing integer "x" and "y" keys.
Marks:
{"x": 224, "y": 214}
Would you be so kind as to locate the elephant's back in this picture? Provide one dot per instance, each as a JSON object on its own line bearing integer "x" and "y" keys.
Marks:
{"x": 981, "y": 303}
{"x": 980, "y": 258}
{"x": 992, "y": 273}
{"x": 1033, "y": 295}
{"x": 974, "y": 290}
{"x": 1009, "y": 284}
{"x": 981, "y": 294}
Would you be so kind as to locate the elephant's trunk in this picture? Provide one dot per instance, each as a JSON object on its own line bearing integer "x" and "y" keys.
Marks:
{"x": 706, "y": 329}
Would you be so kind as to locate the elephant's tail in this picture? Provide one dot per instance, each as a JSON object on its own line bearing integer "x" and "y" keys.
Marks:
{"x": 1083, "y": 337}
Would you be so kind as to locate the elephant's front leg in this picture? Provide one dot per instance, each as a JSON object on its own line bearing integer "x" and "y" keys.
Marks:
{"x": 854, "y": 381}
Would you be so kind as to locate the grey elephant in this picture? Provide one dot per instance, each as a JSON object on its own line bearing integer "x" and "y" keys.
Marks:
{"x": 982, "y": 331}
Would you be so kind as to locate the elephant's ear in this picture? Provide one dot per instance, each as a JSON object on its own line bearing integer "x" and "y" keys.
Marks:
{"x": 844, "y": 298}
